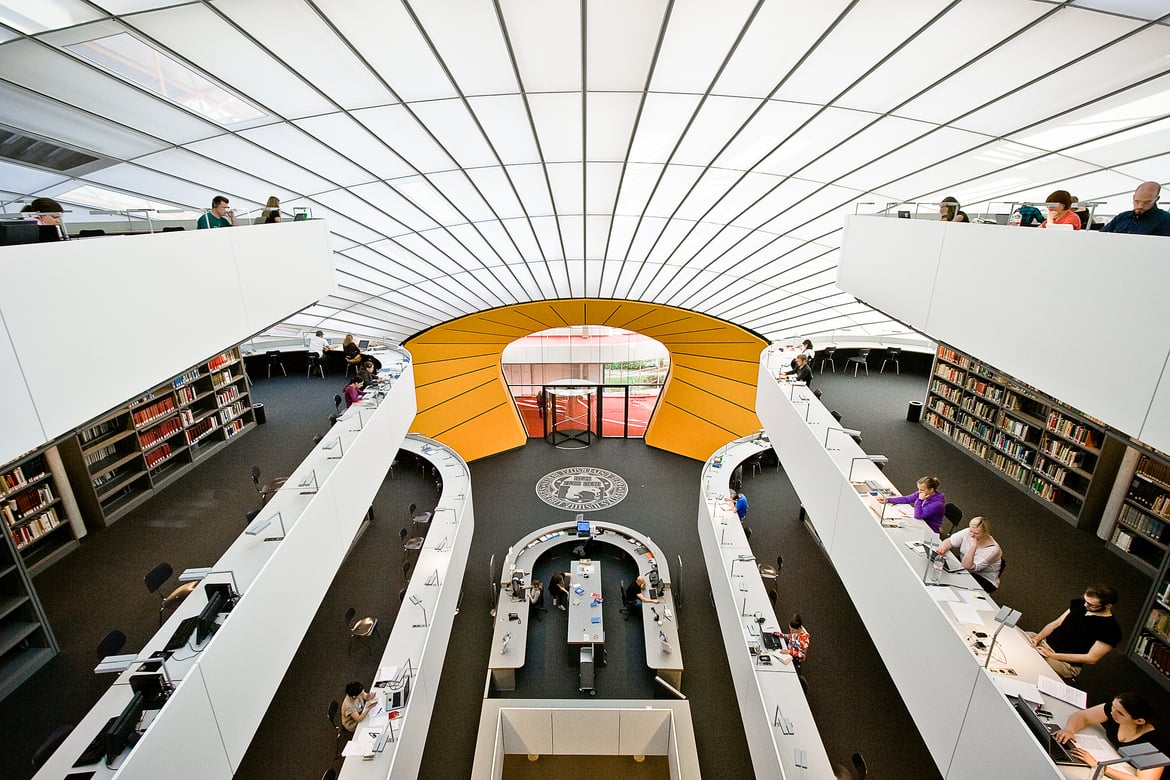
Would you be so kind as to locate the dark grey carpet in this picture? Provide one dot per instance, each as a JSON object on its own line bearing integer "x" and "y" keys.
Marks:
{"x": 100, "y": 587}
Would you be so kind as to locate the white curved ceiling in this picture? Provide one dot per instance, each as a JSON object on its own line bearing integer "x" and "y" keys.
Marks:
{"x": 469, "y": 154}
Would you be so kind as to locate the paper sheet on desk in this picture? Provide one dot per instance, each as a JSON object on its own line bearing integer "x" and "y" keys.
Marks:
{"x": 1096, "y": 746}
{"x": 979, "y": 601}
{"x": 1059, "y": 690}
{"x": 1011, "y": 687}
{"x": 943, "y": 595}
{"x": 965, "y": 613}
{"x": 362, "y": 743}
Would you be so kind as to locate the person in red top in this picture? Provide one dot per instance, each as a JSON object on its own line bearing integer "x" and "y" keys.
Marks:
{"x": 797, "y": 639}
{"x": 1060, "y": 211}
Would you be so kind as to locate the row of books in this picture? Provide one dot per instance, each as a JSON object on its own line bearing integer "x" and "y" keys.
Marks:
{"x": 220, "y": 360}
{"x": 99, "y": 430}
{"x": 160, "y": 432}
{"x": 232, "y": 428}
{"x": 104, "y": 453}
{"x": 1158, "y": 624}
{"x": 951, "y": 356}
{"x": 1071, "y": 429}
{"x": 229, "y": 413}
{"x": 227, "y": 396}
{"x": 222, "y": 378}
{"x": 1009, "y": 466}
{"x": 1164, "y": 592}
{"x": 949, "y": 392}
{"x": 950, "y": 373}
{"x": 186, "y": 378}
{"x": 1047, "y": 491}
{"x": 158, "y": 455}
{"x": 30, "y": 532}
{"x": 1013, "y": 448}
{"x": 201, "y": 429}
{"x": 1016, "y": 428}
{"x": 1054, "y": 471}
{"x": 1155, "y": 653}
{"x": 22, "y": 504}
{"x": 1142, "y": 523}
{"x": 186, "y": 394}
{"x": 1156, "y": 471}
{"x": 985, "y": 389}
{"x": 15, "y": 479}
{"x": 153, "y": 412}
{"x": 1061, "y": 452}
{"x": 979, "y": 408}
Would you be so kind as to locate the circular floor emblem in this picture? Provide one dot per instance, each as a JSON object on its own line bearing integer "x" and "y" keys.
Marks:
{"x": 581, "y": 489}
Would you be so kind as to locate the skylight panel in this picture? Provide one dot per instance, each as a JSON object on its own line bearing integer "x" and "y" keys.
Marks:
{"x": 142, "y": 64}
{"x": 101, "y": 198}
{"x": 37, "y": 17}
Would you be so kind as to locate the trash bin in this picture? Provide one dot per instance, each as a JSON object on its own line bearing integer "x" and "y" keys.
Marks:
{"x": 258, "y": 410}
{"x": 914, "y": 413}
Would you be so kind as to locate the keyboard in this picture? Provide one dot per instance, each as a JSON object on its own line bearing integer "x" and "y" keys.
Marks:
{"x": 1058, "y": 752}
{"x": 873, "y": 484}
{"x": 181, "y": 635}
{"x": 95, "y": 751}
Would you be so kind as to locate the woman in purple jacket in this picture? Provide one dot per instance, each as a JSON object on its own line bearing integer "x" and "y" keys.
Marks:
{"x": 929, "y": 504}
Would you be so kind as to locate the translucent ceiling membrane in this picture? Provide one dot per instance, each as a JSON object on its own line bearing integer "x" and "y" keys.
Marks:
{"x": 476, "y": 153}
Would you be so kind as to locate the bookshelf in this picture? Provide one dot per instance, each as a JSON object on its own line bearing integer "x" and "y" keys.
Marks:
{"x": 119, "y": 460}
{"x": 1061, "y": 458}
{"x": 1141, "y": 533}
{"x": 1150, "y": 648}
{"x": 39, "y": 512}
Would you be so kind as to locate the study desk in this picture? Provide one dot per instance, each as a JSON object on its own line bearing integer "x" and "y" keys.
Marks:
{"x": 203, "y": 730}
{"x": 418, "y": 642}
{"x": 506, "y": 657}
{"x": 781, "y": 734}
{"x": 955, "y": 703}
{"x": 585, "y": 625}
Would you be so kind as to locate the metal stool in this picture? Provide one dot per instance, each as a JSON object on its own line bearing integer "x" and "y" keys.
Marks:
{"x": 420, "y": 521}
{"x": 862, "y": 359}
{"x": 769, "y": 573}
{"x": 316, "y": 364}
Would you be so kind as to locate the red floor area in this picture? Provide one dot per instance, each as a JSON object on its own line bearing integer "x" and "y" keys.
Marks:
{"x": 641, "y": 407}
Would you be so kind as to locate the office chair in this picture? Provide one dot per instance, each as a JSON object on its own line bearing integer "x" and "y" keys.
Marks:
{"x": 836, "y": 415}
{"x": 113, "y": 642}
{"x": 892, "y": 354}
{"x": 154, "y": 580}
{"x": 316, "y": 363}
{"x": 401, "y": 595}
{"x": 269, "y": 488}
{"x": 339, "y": 734}
{"x": 410, "y": 510}
{"x": 413, "y": 544}
{"x": 862, "y": 359}
{"x": 273, "y": 356}
{"x": 91, "y": 233}
{"x": 406, "y": 570}
{"x": 859, "y": 767}
{"x": 676, "y": 585}
{"x": 337, "y": 404}
{"x": 330, "y": 774}
{"x": 827, "y": 357}
{"x": 50, "y": 745}
{"x": 627, "y": 605}
{"x": 421, "y": 520}
{"x": 365, "y": 628}
{"x": 954, "y": 514}
{"x": 747, "y": 532}
{"x": 769, "y": 574}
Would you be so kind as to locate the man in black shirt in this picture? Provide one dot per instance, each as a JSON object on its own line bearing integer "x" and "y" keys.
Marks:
{"x": 1084, "y": 634}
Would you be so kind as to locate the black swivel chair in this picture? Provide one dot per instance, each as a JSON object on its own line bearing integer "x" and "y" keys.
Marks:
{"x": 365, "y": 628}
{"x": 113, "y": 642}
{"x": 337, "y": 404}
{"x": 50, "y": 745}
{"x": 861, "y": 359}
{"x": 339, "y": 734}
{"x": 892, "y": 354}
{"x": 154, "y": 580}
{"x": 860, "y": 770}
{"x": 268, "y": 489}
{"x": 954, "y": 515}
{"x": 330, "y": 774}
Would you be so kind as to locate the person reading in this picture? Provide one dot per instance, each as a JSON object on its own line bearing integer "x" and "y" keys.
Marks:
{"x": 978, "y": 552}
{"x": 929, "y": 504}
{"x": 1082, "y": 635}
{"x": 1127, "y": 720}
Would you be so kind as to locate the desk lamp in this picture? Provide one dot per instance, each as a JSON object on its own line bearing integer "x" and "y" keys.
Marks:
{"x": 846, "y": 431}
{"x": 1142, "y": 756}
{"x": 418, "y": 603}
{"x": 258, "y": 526}
{"x": 335, "y": 444}
{"x": 1005, "y": 617}
{"x": 309, "y": 483}
{"x": 740, "y": 559}
{"x": 876, "y": 459}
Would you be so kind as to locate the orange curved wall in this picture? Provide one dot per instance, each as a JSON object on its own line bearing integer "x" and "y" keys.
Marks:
{"x": 709, "y": 397}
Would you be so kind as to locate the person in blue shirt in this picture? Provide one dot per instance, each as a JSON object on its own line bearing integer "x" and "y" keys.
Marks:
{"x": 741, "y": 505}
{"x": 219, "y": 216}
{"x": 1146, "y": 219}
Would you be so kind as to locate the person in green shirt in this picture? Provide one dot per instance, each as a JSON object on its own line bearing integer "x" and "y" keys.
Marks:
{"x": 219, "y": 216}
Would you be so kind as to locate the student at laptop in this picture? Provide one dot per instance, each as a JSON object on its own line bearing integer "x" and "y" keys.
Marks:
{"x": 1082, "y": 635}
{"x": 368, "y": 375}
{"x": 353, "y": 391}
{"x": 636, "y": 593}
{"x": 797, "y": 639}
{"x": 978, "y": 552}
{"x": 930, "y": 505}
{"x": 356, "y": 706}
{"x": 1126, "y": 720}
{"x": 318, "y": 344}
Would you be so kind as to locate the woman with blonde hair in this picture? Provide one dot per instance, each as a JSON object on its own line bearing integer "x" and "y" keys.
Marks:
{"x": 271, "y": 211}
{"x": 978, "y": 552}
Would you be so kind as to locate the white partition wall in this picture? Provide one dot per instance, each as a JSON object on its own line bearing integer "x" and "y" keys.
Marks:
{"x": 1048, "y": 307}
{"x": 142, "y": 308}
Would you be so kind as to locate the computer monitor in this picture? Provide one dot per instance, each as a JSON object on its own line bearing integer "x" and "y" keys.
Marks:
{"x": 152, "y": 686}
{"x": 230, "y": 596}
{"x": 584, "y": 528}
{"x": 118, "y": 734}
{"x": 205, "y": 625}
{"x": 363, "y": 344}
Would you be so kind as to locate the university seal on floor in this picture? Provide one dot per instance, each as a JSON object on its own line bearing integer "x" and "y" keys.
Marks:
{"x": 581, "y": 489}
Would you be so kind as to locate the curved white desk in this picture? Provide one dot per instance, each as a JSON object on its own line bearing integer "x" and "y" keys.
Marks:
{"x": 418, "y": 642}
{"x": 523, "y": 555}
{"x": 781, "y": 733}
{"x": 884, "y": 579}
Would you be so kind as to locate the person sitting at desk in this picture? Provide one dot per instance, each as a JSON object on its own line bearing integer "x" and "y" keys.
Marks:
{"x": 1060, "y": 211}
{"x": 738, "y": 501}
{"x": 801, "y": 371}
{"x": 636, "y": 593}
{"x": 318, "y": 344}
{"x": 1082, "y": 635}
{"x": 220, "y": 215}
{"x": 1126, "y": 720}
{"x": 367, "y": 374}
{"x": 557, "y": 587}
{"x": 806, "y": 349}
{"x": 353, "y": 355}
{"x": 353, "y": 392}
{"x": 979, "y": 553}
{"x": 929, "y": 504}
{"x": 356, "y": 706}
{"x": 797, "y": 639}
{"x": 536, "y": 596}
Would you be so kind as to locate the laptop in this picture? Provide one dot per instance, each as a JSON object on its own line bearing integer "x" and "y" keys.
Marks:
{"x": 363, "y": 344}
{"x": 1043, "y": 732}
